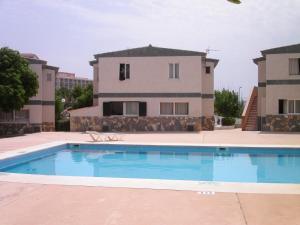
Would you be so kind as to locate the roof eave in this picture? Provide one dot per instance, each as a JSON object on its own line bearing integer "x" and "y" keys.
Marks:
{"x": 93, "y": 62}
{"x": 215, "y": 61}
{"x": 257, "y": 60}
{"x": 51, "y": 68}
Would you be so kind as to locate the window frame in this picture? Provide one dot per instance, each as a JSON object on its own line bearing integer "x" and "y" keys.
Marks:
{"x": 125, "y": 109}
{"x": 161, "y": 107}
{"x": 174, "y": 109}
{"x": 294, "y": 74}
{"x": 174, "y": 66}
{"x": 126, "y": 71}
{"x": 181, "y": 103}
{"x": 49, "y": 77}
{"x": 286, "y": 107}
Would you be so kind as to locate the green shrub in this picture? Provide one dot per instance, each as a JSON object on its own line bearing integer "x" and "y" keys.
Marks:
{"x": 62, "y": 125}
{"x": 228, "y": 121}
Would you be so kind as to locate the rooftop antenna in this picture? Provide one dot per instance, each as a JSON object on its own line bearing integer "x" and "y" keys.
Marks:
{"x": 208, "y": 50}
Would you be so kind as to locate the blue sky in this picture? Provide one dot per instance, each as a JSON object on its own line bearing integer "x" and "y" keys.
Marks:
{"x": 68, "y": 33}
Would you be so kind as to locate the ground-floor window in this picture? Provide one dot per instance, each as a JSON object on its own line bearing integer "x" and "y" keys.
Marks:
{"x": 131, "y": 108}
{"x": 15, "y": 116}
{"x": 289, "y": 106}
{"x": 181, "y": 108}
{"x": 171, "y": 108}
{"x": 166, "y": 108}
{"x": 124, "y": 108}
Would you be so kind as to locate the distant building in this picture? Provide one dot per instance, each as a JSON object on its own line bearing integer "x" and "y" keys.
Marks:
{"x": 39, "y": 113}
{"x": 69, "y": 81}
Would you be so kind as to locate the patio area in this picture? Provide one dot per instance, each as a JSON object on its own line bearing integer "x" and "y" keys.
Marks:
{"x": 57, "y": 204}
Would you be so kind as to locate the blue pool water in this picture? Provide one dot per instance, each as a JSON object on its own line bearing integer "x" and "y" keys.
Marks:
{"x": 259, "y": 165}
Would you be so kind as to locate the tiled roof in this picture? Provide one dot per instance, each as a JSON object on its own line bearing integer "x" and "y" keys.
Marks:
{"x": 150, "y": 51}
{"x": 285, "y": 49}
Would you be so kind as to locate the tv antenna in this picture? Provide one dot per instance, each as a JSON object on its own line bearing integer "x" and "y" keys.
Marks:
{"x": 208, "y": 50}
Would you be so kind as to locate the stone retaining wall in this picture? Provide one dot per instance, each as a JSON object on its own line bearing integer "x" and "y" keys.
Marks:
{"x": 47, "y": 127}
{"x": 125, "y": 124}
{"x": 12, "y": 129}
{"x": 282, "y": 123}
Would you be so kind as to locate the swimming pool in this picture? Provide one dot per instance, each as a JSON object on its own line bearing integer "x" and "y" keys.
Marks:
{"x": 193, "y": 163}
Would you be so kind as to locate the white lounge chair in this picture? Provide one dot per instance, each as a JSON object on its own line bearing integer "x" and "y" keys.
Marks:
{"x": 97, "y": 136}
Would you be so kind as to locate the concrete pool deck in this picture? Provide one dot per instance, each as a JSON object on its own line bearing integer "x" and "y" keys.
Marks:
{"x": 57, "y": 204}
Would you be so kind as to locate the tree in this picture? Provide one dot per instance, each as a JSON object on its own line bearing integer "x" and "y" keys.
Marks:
{"x": 85, "y": 99}
{"x": 17, "y": 81}
{"x": 227, "y": 103}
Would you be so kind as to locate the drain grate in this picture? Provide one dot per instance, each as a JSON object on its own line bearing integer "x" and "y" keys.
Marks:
{"x": 206, "y": 192}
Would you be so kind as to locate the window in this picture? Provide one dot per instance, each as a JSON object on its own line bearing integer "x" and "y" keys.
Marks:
{"x": 6, "y": 116}
{"x": 131, "y": 108}
{"x": 177, "y": 108}
{"x": 49, "y": 77}
{"x": 181, "y": 108}
{"x": 22, "y": 115}
{"x": 15, "y": 116}
{"x": 174, "y": 70}
{"x": 166, "y": 108}
{"x": 207, "y": 69}
{"x": 116, "y": 108}
{"x": 294, "y": 66}
{"x": 124, "y": 108}
{"x": 124, "y": 71}
{"x": 289, "y": 106}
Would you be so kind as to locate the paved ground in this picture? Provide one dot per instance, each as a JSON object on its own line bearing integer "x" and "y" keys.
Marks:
{"x": 64, "y": 205}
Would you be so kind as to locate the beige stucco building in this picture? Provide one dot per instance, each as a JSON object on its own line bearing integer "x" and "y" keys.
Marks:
{"x": 278, "y": 92}
{"x": 150, "y": 89}
{"x": 39, "y": 113}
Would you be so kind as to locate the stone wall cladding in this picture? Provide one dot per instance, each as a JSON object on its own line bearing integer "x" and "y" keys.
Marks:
{"x": 133, "y": 124}
{"x": 208, "y": 123}
{"x": 47, "y": 127}
{"x": 13, "y": 129}
{"x": 282, "y": 123}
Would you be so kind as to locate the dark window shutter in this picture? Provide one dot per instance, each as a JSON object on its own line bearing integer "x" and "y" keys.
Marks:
{"x": 299, "y": 65}
{"x": 142, "y": 109}
{"x": 122, "y": 72}
{"x": 106, "y": 109}
{"x": 280, "y": 106}
{"x": 127, "y": 71}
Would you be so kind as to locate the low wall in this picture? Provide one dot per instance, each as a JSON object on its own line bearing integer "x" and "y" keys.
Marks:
{"x": 12, "y": 129}
{"x": 281, "y": 123}
{"x": 47, "y": 127}
{"x": 125, "y": 124}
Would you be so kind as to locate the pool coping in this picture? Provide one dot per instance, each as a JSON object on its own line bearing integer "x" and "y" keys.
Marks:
{"x": 158, "y": 184}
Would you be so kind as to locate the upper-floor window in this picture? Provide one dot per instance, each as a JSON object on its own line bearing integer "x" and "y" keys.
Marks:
{"x": 124, "y": 71}
{"x": 49, "y": 77}
{"x": 294, "y": 66}
{"x": 174, "y": 70}
{"x": 289, "y": 106}
{"x": 207, "y": 69}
